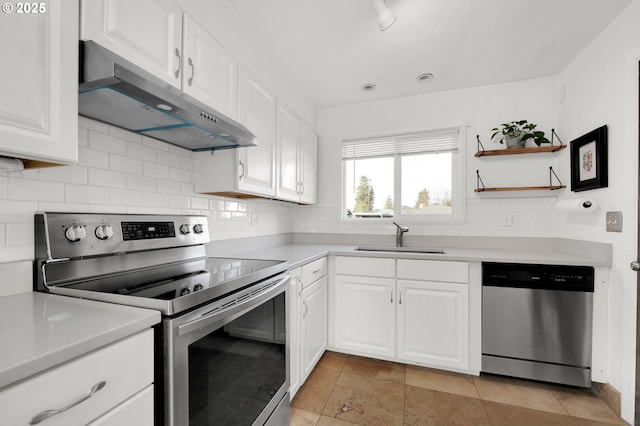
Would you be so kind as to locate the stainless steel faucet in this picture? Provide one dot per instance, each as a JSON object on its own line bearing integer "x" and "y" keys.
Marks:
{"x": 399, "y": 233}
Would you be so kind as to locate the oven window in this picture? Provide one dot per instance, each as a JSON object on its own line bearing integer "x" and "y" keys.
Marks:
{"x": 235, "y": 371}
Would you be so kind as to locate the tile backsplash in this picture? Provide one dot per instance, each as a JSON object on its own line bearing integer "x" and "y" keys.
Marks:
{"x": 122, "y": 172}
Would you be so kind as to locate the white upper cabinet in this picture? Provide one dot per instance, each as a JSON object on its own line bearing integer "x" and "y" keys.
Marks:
{"x": 308, "y": 164}
{"x": 146, "y": 32}
{"x": 210, "y": 72}
{"x": 257, "y": 112}
{"x": 287, "y": 141}
{"x": 297, "y": 147}
{"x": 249, "y": 171}
{"x": 154, "y": 35}
{"x": 39, "y": 102}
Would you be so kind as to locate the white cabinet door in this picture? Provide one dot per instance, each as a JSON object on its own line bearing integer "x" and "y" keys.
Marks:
{"x": 210, "y": 72}
{"x": 433, "y": 323}
{"x": 365, "y": 315}
{"x": 287, "y": 141}
{"x": 314, "y": 324}
{"x": 39, "y": 85}
{"x": 146, "y": 32}
{"x": 257, "y": 112}
{"x": 295, "y": 332}
{"x": 308, "y": 164}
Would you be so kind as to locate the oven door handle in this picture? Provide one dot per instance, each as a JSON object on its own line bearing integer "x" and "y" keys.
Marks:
{"x": 275, "y": 287}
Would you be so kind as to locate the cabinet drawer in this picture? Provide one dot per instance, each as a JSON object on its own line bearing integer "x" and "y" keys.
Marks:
{"x": 313, "y": 271}
{"x": 366, "y": 266}
{"x": 137, "y": 410}
{"x": 433, "y": 270}
{"x": 126, "y": 367}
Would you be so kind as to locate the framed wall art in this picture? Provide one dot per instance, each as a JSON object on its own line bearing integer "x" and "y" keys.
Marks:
{"x": 589, "y": 161}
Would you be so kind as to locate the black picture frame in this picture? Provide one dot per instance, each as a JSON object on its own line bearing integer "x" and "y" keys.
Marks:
{"x": 589, "y": 168}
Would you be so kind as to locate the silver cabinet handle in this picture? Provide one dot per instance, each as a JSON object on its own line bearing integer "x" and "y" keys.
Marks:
{"x": 306, "y": 309}
{"x": 299, "y": 282}
{"x": 391, "y": 293}
{"x": 400, "y": 298}
{"x": 177, "y": 72}
{"x": 635, "y": 266}
{"x": 50, "y": 413}
{"x": 241, "y": 165}
{"x": 193, "y": 72}
{"x": 316, "y": 271}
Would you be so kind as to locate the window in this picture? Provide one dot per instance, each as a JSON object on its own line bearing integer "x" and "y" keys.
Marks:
{"x": 408, "y": 176}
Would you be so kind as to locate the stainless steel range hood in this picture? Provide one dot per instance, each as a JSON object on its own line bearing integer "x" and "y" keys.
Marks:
{"x": 115, "y": 91}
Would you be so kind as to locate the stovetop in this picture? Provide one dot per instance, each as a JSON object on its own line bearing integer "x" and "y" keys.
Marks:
{"x": 148, "y": 261}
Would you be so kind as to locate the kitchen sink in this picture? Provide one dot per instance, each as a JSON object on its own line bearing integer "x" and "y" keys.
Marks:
{"x": 402, "y": 249}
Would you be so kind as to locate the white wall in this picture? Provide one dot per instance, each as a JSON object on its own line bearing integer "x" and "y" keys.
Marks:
{"x": 122, "y": 172}
{"x": 481, "y": 109}
{"x": 602, "y": 88}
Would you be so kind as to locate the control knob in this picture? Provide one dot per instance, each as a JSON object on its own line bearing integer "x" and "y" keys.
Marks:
{"x": 198, "y": 228}
{"x": 75, "y": 233}
{"x": 184, "y": 229}
{"x": 104, "y": 232}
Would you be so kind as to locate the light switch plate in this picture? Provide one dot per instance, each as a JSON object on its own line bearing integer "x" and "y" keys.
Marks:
{"x": 614, "y": 221}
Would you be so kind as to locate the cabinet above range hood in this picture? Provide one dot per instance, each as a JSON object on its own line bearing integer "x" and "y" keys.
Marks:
{"x": 117, "y": 92}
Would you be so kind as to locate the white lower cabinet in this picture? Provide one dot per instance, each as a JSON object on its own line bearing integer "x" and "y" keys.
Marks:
{"x": 365, "y": 314}
{"x": 110, "y": 386}
{"x": 314, "y": 324}
{"x": 408, "y": 310}
{"x": 433, "y": 323}
{"x": 308, "y": 311}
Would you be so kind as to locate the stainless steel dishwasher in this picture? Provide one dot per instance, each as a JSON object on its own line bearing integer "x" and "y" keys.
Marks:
{"x": 537, "y": 322}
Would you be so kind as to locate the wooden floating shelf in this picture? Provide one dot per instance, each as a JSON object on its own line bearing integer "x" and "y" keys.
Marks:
{"x": 521, "y": 188}
{"x": 512, "y": 151}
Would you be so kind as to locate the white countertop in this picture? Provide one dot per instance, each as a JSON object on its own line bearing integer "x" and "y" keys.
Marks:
{"x": 299, "y": 254}
{"x": 39, "y": 331}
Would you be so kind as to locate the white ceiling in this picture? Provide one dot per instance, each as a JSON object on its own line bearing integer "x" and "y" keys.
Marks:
{"x": 333, "y": 47}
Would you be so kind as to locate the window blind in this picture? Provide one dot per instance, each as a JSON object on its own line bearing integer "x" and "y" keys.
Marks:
{"x": 409, "y": 143}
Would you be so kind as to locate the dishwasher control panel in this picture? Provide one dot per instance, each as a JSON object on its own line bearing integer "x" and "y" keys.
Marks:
{"x": 525, "y": 275}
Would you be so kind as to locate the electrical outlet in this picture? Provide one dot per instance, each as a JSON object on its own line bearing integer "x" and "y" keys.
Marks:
{"x": 508, "y": 219}
{"x": 614, "y": 222}
{"x": 255, "y": 220}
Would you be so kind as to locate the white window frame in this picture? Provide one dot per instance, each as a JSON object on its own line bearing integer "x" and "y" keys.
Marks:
{"x": 458, "y": 186}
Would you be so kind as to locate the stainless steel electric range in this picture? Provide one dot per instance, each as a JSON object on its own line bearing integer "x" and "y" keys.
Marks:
{"x": 222, "y": 348}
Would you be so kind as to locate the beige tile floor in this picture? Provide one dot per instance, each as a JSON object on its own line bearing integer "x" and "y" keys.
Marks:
{"x": 347, "y": 390}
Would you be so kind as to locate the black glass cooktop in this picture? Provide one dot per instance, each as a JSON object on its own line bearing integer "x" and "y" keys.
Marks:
{"x": 214, "y": 276}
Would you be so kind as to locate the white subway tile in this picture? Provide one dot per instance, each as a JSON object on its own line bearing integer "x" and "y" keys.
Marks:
{"x": 46, "y": 206}
{"x": 181, "y": 175}
{"x": 36, "y": 190}
{"x": 19, "y": 234}
{"x": 3, "y": 187}
{"x": 103, "y": 208}
{"x": 102, "y": 142}
{"x": 199, "y": 203}
{"x": 119, "y": 163}
{"x": 154, "y": 199}
{"x": 90, "y": 124}
{"x": 179, "y": 202}
{"x": 3, "y": 234}
{"x": 186, "y": 189}
{"x": 67, "y": 174}
{"x": 188, "y": 163}
{"x": 231, "y": 205}
{"x": 125, "y": 197}
{"x": 91, "y": 158}
{"x": 86, "y": 194}
{"x": 125, "y": 134}
{"x": 169, "y": 159}
{"x": 107, "y": 178}
{"x": 155, "y": 170}
{"x": 169, "y": 186}
{"x": 142, "y": 152}
{"x": 83, "y": 137}
{"x": 141, "y": 183}
{"x": 141, "y": 210}
{"x": 168, "y": 211}
{"x": 155, "y": 143}
{"x": 17, "y": 211}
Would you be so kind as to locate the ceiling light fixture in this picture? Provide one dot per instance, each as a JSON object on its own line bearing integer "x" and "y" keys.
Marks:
{"x": 424, "y": 77}
{"x": 385, "y": 15}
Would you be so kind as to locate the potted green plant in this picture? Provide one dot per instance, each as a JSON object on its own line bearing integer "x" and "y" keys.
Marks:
{"x": 516, "y": 134}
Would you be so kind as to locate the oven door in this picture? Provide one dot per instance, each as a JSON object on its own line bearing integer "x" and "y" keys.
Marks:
{"x": 226, "y": 363}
